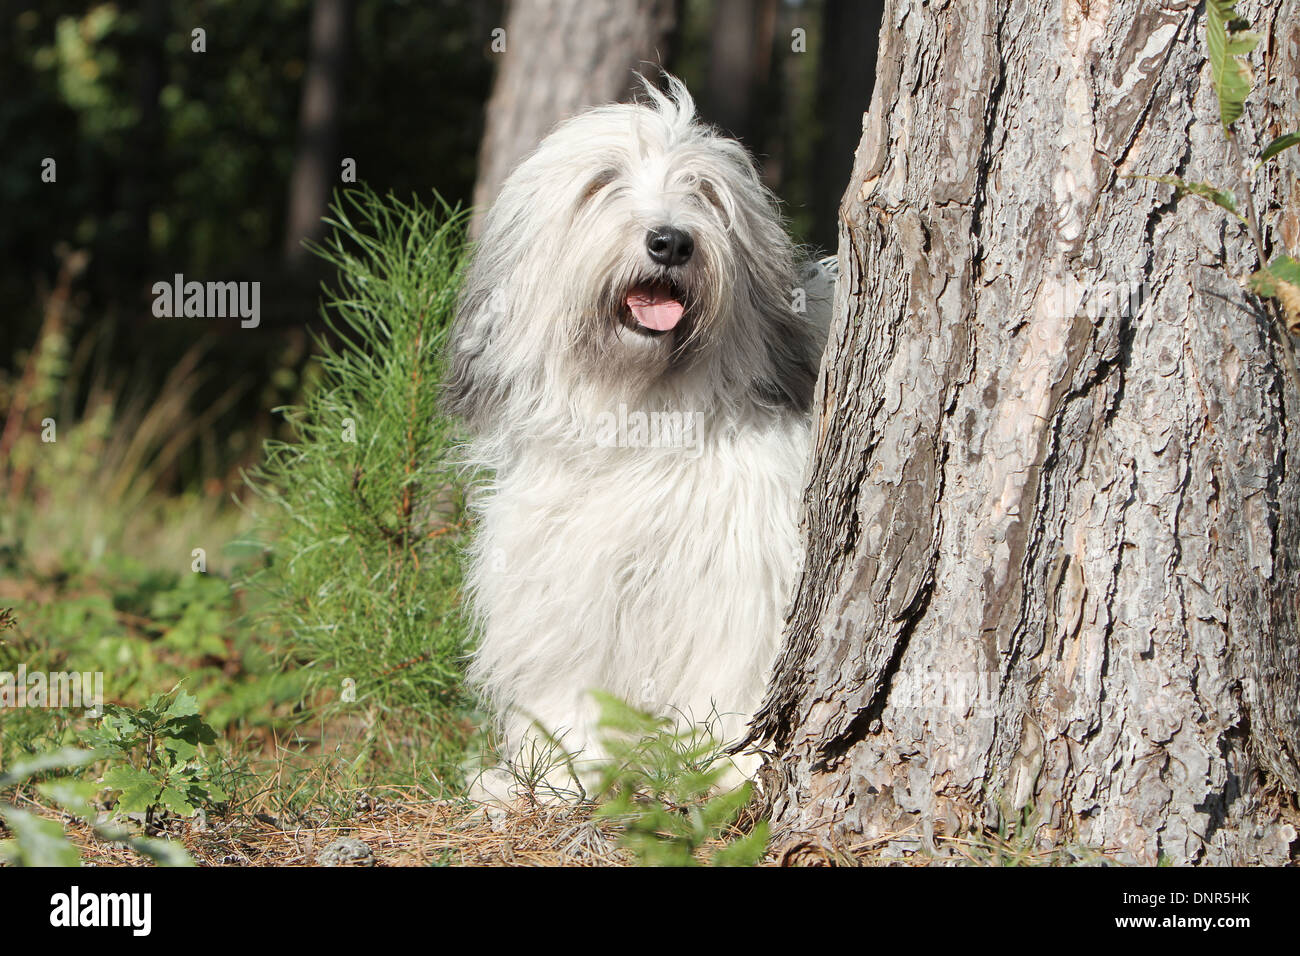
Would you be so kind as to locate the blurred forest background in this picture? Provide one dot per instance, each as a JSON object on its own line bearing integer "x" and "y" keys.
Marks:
{"x": 217, "y": 164}
{"x": 147, "y": 139}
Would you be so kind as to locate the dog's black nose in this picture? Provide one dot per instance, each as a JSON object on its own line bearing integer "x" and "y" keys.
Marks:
{"x": 669, "y": 246}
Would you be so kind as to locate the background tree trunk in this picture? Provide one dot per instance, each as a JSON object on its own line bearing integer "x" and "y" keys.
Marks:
{"x": 1051, "y": 544}
{"x": 846, "y": 71}
{"x": 316, "y": 166}
{"x": 562, "y": 56}
{"x": 740, "y": 66}
{"x": 146, "y": 144}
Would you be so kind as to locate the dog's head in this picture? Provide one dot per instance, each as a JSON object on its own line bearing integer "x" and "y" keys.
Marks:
{"x": 634, "y": 246}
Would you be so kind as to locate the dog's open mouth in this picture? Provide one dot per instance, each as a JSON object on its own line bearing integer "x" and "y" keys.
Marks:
{"x": 653, "y": 308}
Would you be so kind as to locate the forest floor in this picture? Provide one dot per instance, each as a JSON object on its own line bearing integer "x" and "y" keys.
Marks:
{"x": 279, "y": 787}
{"x": 394, "y": 834}
{"x": 419, "y": 830}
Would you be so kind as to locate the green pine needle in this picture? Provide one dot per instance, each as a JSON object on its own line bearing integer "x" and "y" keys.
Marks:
{"x": 365, "y": 503}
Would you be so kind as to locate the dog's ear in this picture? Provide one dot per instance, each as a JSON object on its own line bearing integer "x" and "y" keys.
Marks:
{"x": 473, "y": 388}
{"x": 793, "y": 360}
{"x": 794, "y": 340}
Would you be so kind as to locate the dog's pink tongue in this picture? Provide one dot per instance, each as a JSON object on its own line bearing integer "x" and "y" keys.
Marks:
{"x": 655, "y": 310}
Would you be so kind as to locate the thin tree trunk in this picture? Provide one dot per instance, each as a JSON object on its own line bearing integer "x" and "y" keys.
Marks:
{"x": 316, "y": 165}
{"x": 140, "y": 189}
{"x": 562, "y": 56}
{"x": 740, "y": 67}
{"x": 845, "y": 73}
{"x": 1051, "y": 568}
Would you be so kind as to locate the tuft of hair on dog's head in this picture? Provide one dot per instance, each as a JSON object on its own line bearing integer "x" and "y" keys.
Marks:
{"x": 635, "y": 251}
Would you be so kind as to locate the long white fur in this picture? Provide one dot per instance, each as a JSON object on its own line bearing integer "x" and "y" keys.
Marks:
{"x": 659, "y": 575}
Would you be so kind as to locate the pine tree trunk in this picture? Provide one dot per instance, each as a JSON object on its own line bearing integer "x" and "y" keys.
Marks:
{"x": 846, "y": 64}
{"x": 316, "y": 164}
{"x": 560, "y": 57}
{"x": 1051, "y": 544}
{"x": 740, "y": 65}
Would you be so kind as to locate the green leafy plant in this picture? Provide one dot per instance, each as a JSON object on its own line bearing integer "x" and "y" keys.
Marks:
{"x": 157, "y": 747}
{"x": 36, "y": 840}
{"x": 365, "y": 508}
{"x": 41, "y": 841}
{"x": 662, "y": 784}
{"x": 1229, "y": 41}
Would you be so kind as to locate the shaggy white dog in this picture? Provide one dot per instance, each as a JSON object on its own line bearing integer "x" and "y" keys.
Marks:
{"x": 635, "y": 355}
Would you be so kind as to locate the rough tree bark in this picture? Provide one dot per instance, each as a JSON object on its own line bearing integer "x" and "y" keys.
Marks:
{"x": 1051, "y": 544}
{"x": 560, "y": 57}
